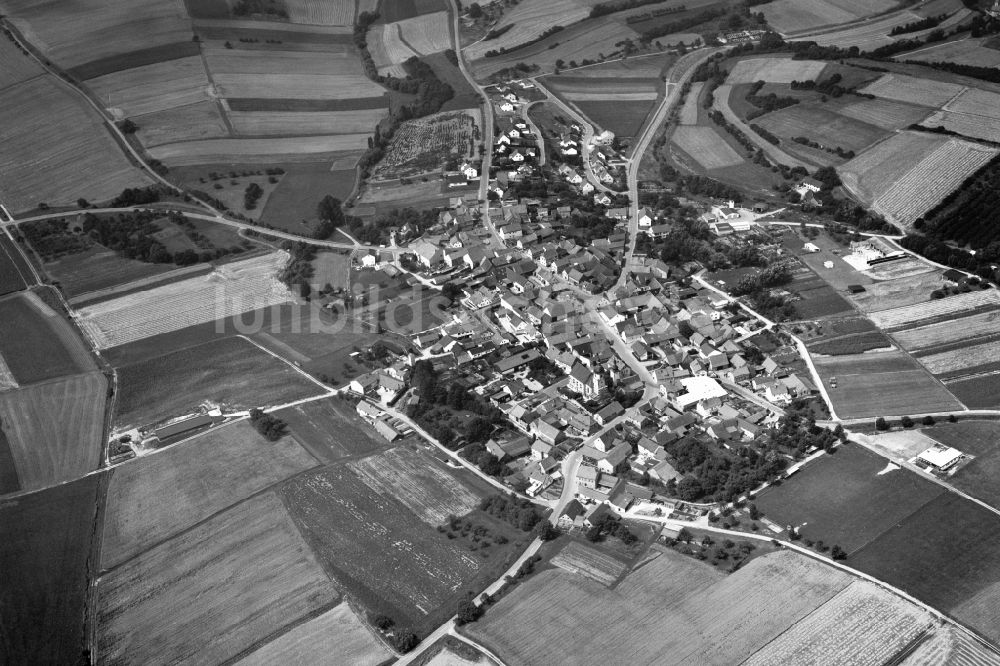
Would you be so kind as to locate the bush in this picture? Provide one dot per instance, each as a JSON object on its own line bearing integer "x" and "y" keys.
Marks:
{"x": 928, "y": 420}
{"x": 881, "y": 424}
{"x": 906, "y": 422}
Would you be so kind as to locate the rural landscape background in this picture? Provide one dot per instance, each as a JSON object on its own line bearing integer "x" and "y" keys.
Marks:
{"x": 508, "y": 332}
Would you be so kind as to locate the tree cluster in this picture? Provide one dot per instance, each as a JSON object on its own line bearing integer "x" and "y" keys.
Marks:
{"x": 299, "y": 271}
{"x": 260, "y": 7}
{"x": 713, "y": 475}
{"x": 610, "y": 525}
{"x": 268, "y": 425}
{"x": 520, "y": 513}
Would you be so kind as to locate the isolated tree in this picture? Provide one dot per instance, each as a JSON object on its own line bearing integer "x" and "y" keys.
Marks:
{"x": 952, "y": 418}
{"x": 906, "y": 422}
{"x": 468, "y": 612}
{"x": 881, "y": 424}
{"x": 685, "y": 535}
{"x": 928, "y": 420}
{"x": 838, "y": 553}
{"x": 405, "y": 640}
{"x": 475, "y": 11}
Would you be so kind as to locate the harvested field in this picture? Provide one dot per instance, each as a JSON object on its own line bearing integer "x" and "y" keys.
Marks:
{"x": 885, "y": 113}
{"x": 153, "y": 88}
{"x": 791, "y": 16}
{"x": 967, "y": 51}
{"x": 530, "y": 19}
{"x": 689, "y": 112}
{"x": 908, "y": 315}
{"x": 264, "y": 104}
{"x": 899, "y": 444}
{"x": 873, "y": 626}
{"x": 601, "y": 96}
{"x": 967, "y": 357}
{"x": 952, "y": 330}
{"x": 337, "y": 632}
{"x": 232, "y": 373}
{"x": 876, "y": 171}
{"x": 281, "y": 123}
{"x": 705, "y": 145}
{"x": 229, "y": 290}
{"x": 931, "y": 180}
{"x": 388, "y": 50}
{"x": 80, "y": 32}
{"x": 201, "y": 477}
{"x": 671, "y": 605}
{"x": 57, "y": 149}
{"x": 321, "y": 12}
{"x": 966, "y": 124}
{"x": 610, "y": 114}
{"x": 98, "y": 268}
{"x": 260, "y": 151}
{"x": 16, "y": 66}
{"x": 37, "y": 343}
{"x": 45, "y": 543}
{"x": 851, "y": 344}
{"x": 331, "y": 430}
{"x": 55, "y": 430}
{"x": 425, "y": 144}
{"x": 951, "y": 646}
{"x": 952, "y": 567}
{"x": 428, "y": 33}
{"x": 843, "y": 499}
{"x": 644, "y": 67}
{"x": 882, "y": 384}
{"x": 586, "y": 561}
{"x": 868, "y": 35}
{"x": 133, "y": 59}
{"x": 903, "y": 267}
{"x": 215, "y": 615}
{"x": 289, "y": 75}
{"x": 982, "y": 392}
{"x": 194, "y": 122}
{"x": 418, "y": 482}
{"x": 774, "y": 70}
{"x": 897, "y": 293}
{"x": 818, "y": 123}
{"x": 379, "y": 551}
{"x": 909, "y": 89}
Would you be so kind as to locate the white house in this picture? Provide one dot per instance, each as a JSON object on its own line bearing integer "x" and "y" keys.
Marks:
{"x": 645, "y": 218}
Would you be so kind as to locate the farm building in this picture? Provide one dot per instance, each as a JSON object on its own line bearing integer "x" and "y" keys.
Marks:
{"x": 183, "y": 426}
{"x": 939, "y": 457}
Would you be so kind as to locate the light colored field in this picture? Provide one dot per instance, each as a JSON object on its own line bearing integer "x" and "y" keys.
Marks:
{"x": 672, "y": 605}
{"x": 789, "y": 16}
{"x": 428, "y": 33}
{"x": 949, "y": 646}
{"x": 900, "y": 445}
{"x": 278, "y": 123}
{"x": 967, "y": 124}
{"x": 909, "y": 89}
{"x": 530, "y": 19}
{"x": 964, "y": 52}
{"x": 201, "y": 477}
{"x": 289, "y": 74}
{"x": 872, "y": 627}
{"x": 689, "y": 112}
{"x": 774, "y": 70}
{"x": 152, "y": 88}
{"x": 897, "y": 293}
{"x": 56, "y": 149}
{"x": 822, "y": 125}
{"x": 388, "y": 50}
{"x": 600, "y": 96}
{"x": 587, "y": 561}
{"x": 73, "y": 33}
{"x": 212, "y": 592}
{"x": 259, "y": 151}
{"x": 337, "y": 632}
{"x": 931, "y": 180}
{"x": 55, "y": 429}
{"x": 646, "y": 67}
{"x": 321, "y": 12}
{"x": 910, "y": 314}
{"x": 706, "y": 146}
{"x": 875, "y": 171}
{"x": 953, "y": 330}
{"x": 229, "y": 290}
{"x": 866, "y": 36}
{"x": 194, "y": 122}
{"x": 15, "y": 66}
{"x": 960, "y": 359}
{"x": 885, "y": 113}
{"x": 418, "y": 483}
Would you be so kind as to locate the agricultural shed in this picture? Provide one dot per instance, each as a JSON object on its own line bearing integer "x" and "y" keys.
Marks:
{"x": 182, "y": 426}
{"x": 940, "y": 457}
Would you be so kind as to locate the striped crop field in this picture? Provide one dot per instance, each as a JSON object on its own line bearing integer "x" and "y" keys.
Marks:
{"x": 791, "y": 16}
{"x": 279, "y": 123}
{"x": 963, "y": 358}
{"x": 16, "y": 66}
{"x": 885, "y": 113}
{"x": 866, "y": 36}
{"x": 193, "y": 122}
{"x": 774, "y": 70}
{"x": 590, "y": 562}
{"x": 426, "y": 34}
{"x": 153, "y": 88}
{"x": 969, "y": 51}
{"x": 321, "y": 12}
{"x": 945, "y": 307}
{"x": 260, "y": 151}
{"x": 530, "y": 18}
{"x": 875, "y": 171}
{"x": 912, "y": 90}
{"x": 388, "y": 50}
{"x": 952, "y": 330}
{"x": 706, "y": 146}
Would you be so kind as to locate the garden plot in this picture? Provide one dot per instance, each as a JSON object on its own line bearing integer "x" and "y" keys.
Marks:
{"x": 153, "y": 498}
{"x": 424, "y": 145}
{"x": 153, "y": 88}
{"x": 242, "y": 575}
{"x": 198, "y": 121}
{"x": 586, "y": 561}
{"x": 706, "y": 146}
{"x": 912, "y": 90}
{"x": 885, "y": 113}
{"x": 320, "y": 12}
{"x": 931, "y": 180}
{"x": 73, "y": 33}
{"x": 774, "y": 70}
{"x": 337, "y": 632}
{"x": 56, "y": 149}
{"x": 791, "y": 16}
{"x": 529, "y": 20}
{"x": 426, "y": 34}
{"x": 229, "y": 290}
{"x": 872, "y": 626}
{"x": 388, "y": 50}
{"x": 285, "y": 150}
{"x": 16, "y": 66}
{"x": 952, "y": 330}
{"x": 946, "y": 307}
{"x": 278, "y": 123}
{"x": 417, "y": 482}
